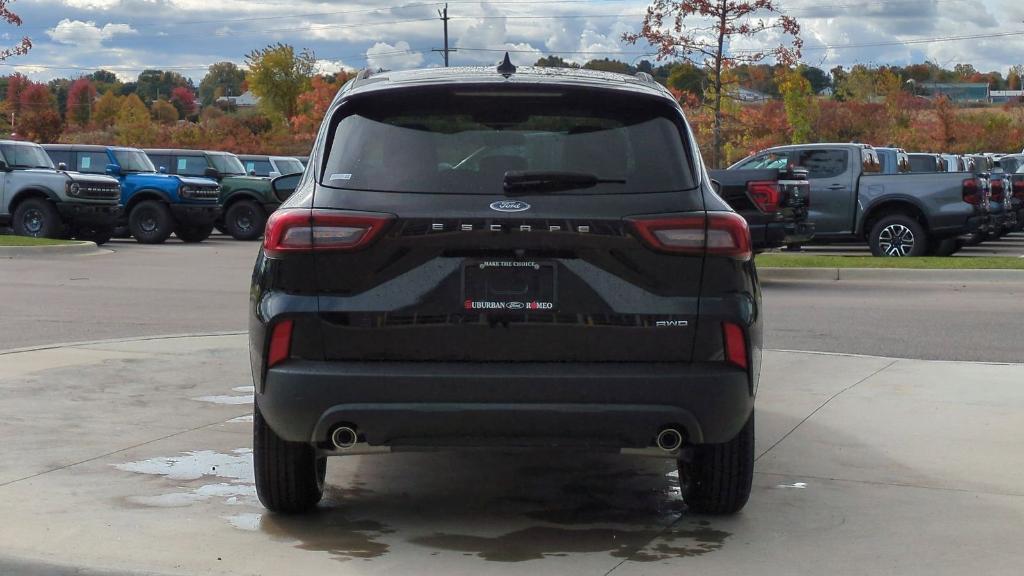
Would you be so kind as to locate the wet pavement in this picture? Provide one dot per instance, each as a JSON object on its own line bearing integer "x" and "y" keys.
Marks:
{"x": 135, "y": 457}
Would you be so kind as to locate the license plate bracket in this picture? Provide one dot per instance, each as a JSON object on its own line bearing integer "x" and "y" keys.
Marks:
{"x": 509, "y": 286}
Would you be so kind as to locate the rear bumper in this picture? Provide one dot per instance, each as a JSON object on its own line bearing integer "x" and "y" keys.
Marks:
{"x": 972, "y": 225}
{"x": 778, "y": 234}
{"x": 592, "y": 405}
{"x": 195, "y": 214}
{"x": 101, "y": 215}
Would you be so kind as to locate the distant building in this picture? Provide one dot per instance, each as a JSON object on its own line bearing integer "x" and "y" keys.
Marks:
{"x": 246, "y": 100}
{"x": 1004, "y": 96}
{"x": 827, "y": 92}
{"x": 961, "y": 93}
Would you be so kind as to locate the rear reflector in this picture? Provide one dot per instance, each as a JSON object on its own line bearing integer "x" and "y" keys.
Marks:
{"x": 280, "y": 343}
{"x": 302, "y": 230}
{"x": 714, "y": 233}
{"x": 972, "y": 191}
{"x": 735, "y": 344}
{"x": 765, "y": 194}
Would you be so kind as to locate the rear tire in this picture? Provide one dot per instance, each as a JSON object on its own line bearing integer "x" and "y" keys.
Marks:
{"x": 150, "y": 222}
{"x": 194, "y": 234}
{"x": 245, "y": 220}
{"x": 37, "y": 217}
{"x": 289, "y": 475}
{"x": 898, "y": 235}
{"x": 719, "y": 478}
{"x": 946, "y": 247}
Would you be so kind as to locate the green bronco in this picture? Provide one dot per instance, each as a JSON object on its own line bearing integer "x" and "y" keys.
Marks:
{"x": 246, "y": 201}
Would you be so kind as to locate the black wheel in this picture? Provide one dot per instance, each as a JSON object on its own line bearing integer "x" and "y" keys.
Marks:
{"x": 245, "y": 220}
{"x": 98, "y": 235}
{"x": 946, "y": 247}
{"x": 194, "y": 233}
{"x": 898, "y": 235}
{"x": 150, "y": 222}
{"x": 718, "y": 479}
{"x": 37, "y": 217}
{"x": 289, "y": 475}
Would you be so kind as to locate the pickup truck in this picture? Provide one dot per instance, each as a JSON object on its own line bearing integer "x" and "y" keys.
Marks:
{"x": 926, "y": 162}
{"x": 38, "y": 200}
{"x": 893, "y": 160}
{"x": 897, "y": 215}
{"x": 1014, "y": 166}
{"x": 155, "y": 204}
{"x": 774, "y": 201}
{"x": 246, "y": 200}
{"x": 1002, "y": 217}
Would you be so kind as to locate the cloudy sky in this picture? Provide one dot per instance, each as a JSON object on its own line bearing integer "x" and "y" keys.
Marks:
{"x": 74, "y": 37}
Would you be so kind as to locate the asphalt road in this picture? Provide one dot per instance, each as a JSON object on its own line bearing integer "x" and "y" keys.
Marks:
{"x": 136, "y": 290}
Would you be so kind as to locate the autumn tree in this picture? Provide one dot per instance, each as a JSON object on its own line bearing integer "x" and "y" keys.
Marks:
{"x": 312, "y": 105}
{"x": 679, "y": 29}
{"x": 555, "y": 62}
{"x": 685, "y": 77}
{"x": 155, "y": 84}
{"x": 104, "y": 113}
{"x": 799, "y": 102}
{"x": 222, "y": 79}
{"x": 10, "y": 17}
{"x": 164, "y": 112}
{"x": 278, "y": 75}
{"x": 133, "y": 126}
{"x": 80, "y": 100}
{"x": 39, "y": 119}
{"x": 184, "y": 100}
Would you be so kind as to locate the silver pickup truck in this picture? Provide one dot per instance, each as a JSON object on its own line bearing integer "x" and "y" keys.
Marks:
{"x": 38, "y": 200}
{"x": 896, "y": 214}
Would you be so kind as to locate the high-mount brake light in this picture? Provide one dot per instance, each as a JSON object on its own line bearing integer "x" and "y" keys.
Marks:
{"x": 713, "y": 233}
{"x": 972, "y": 193}
{"x": 280, "y": 343}
{"x": 765, "y": 194}
{"x": 303, "y": 230}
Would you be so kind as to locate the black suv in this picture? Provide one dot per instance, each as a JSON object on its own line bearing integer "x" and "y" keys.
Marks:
{"x": 509, "y": 259}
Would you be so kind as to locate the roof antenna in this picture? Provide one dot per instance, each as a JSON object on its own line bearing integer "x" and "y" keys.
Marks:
{"x": 506, "y": 68}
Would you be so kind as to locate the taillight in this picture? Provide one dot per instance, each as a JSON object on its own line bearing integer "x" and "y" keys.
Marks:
{"x": 309, "y": 230}
{"x": 280, "y": 343}
{"x": 714, "y": 233}
{"x": 1018, "y": 189}
{"x": 735, "y": 343}
{"x": 972, "y": 192}
{"x": 765, "y": 194}
{"x": 997, "y": 190}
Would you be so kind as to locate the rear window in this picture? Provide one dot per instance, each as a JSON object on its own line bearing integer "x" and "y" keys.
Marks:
{"x": 464, "y": 142}
{"x": 923, "y": 164}
{"x": 190, "y": 165}
{"x": 92, "y": 162}
{"x": 822, "y": 163}
{"x": 259, "y": 167}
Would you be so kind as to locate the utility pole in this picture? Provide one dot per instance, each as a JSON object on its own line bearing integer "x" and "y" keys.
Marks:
{"x": 443, "y": 14}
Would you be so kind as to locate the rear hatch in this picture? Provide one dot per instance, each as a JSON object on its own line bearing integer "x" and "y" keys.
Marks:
{"x": 483, "y": 223}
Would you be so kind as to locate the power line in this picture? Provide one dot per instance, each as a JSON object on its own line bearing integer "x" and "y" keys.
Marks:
{"x": 444, "y": 18}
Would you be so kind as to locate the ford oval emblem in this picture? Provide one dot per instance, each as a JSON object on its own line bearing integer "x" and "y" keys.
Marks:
{"x": 510, "y": 206}
{"x": 516, "y": 305}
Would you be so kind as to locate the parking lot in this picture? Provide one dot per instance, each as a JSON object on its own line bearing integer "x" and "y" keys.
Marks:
{"x": 133, "y": 456}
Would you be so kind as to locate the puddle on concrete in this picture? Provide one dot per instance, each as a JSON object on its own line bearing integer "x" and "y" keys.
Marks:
{"x": 235, "y": 467}
{"x": 329, "y": 531}
{"x": 250, "y": 522}
{"x": 538, "y": 542}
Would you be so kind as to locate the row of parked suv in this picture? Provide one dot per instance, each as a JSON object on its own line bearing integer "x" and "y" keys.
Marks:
{"x": 900, "y": 204}
{"x": 96, "y": 192}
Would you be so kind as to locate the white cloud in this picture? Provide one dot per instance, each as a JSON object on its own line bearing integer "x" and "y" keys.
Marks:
{"x": 92, "y": 4}
{"x": 86, "y": 34}
{"x": 332, "y": 66}
{"x": 397, "y": 56}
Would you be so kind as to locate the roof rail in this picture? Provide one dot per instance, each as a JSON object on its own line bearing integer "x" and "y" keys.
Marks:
{"x": 646, "y": 77}
{"x": 364, "y": 74}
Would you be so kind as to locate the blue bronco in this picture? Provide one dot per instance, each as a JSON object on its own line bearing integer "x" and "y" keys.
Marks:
{"x": 155, "y": 204}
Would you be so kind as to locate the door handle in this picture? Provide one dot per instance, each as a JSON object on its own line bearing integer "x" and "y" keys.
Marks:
{"x": 837, "y": 187}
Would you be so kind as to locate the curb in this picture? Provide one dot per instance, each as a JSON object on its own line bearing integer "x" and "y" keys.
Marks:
{"x": 76, "y": 247}
{"x": 891, "y": 274}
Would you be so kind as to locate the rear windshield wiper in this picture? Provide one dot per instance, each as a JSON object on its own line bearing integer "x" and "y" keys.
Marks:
{"x": 552, "y": 181}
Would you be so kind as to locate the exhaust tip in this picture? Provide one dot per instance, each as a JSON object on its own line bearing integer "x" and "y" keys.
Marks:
{"x": 344, "y": 437}
{"x": 669, "y": 439}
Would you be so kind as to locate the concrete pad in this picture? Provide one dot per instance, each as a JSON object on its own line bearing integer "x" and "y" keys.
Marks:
{"x": 868, "y": 466}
